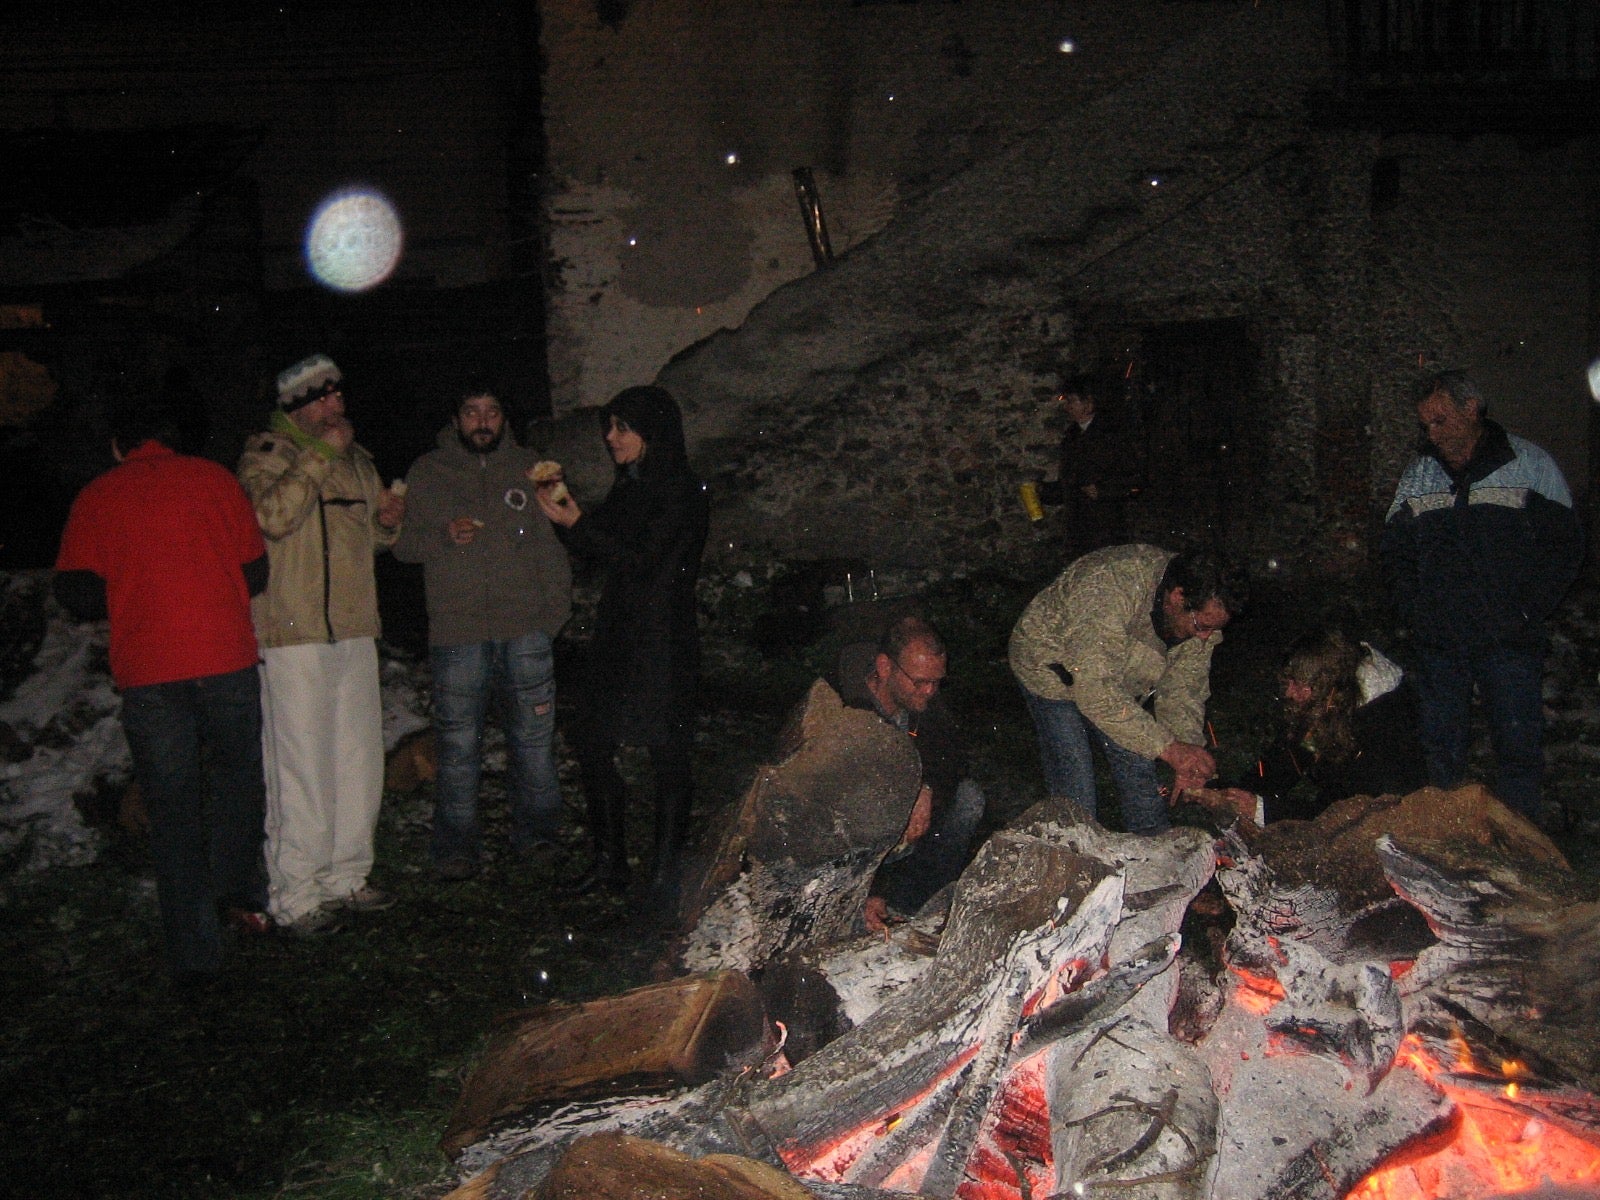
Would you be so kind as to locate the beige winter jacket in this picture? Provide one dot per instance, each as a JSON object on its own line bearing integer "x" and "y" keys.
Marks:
{"x": 1095, "y": 622}
{"x": 319, "y": 519}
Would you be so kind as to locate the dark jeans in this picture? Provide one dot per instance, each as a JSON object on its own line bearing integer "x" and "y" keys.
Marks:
{"x": 1068, "y": 762}
{"x": 206, "y": 841}
{"x": 1511, "y": 682}
{"x": 520, "y": 673}
{"x": 938, "y": 857}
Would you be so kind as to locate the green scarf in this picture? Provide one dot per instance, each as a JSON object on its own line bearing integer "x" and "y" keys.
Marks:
{"x": 281, "y": 423}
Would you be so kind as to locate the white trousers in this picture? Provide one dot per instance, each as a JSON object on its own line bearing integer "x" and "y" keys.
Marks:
{"x": 322, "y": 748}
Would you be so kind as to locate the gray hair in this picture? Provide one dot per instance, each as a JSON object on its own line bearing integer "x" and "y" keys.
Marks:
{"x": 1458, "y": 386}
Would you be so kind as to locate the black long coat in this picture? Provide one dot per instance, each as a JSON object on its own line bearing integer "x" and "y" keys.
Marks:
{"x": 643, "y": 666}
{"x": 1107, "y": 457}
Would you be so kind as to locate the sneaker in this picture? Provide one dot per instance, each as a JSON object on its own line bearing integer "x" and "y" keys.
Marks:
{"x": 365, "y": 898}
{"x": 316, "y": 923}
{"x": 456, "y": 870}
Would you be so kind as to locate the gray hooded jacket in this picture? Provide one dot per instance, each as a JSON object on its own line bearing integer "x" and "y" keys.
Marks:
{"x": 514, "y": 577}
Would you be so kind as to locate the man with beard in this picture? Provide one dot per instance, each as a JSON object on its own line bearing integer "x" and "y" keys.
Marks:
{"x": 325, "y": 514}
{"x": 1119, "y": 627}
{"x": 499, "y": 589}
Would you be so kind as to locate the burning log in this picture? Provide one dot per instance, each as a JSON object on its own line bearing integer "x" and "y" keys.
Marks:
{"x": 1321, "y": 883}
{"x": 1328, "y": 925}
{"x": 1024, "y": 1049}
{"x": 918, "y": 1075}
{"x": 1514, "y": 971}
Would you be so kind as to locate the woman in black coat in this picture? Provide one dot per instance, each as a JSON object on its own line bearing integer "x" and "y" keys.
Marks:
{"x": 643, "y": 663}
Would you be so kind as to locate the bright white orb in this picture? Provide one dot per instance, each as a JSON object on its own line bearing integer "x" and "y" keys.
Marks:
{"x": 354, "y": 241}
{"x": 1067, "y": 46}
{"x": 731, "y": 158}
{"x": 1594, "y": 380}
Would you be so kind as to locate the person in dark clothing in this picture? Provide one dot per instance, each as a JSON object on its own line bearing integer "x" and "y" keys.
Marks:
{"x": 1479, "y": 545}
{"x": 1099, "y": 471}
{"x": 899, "y": 679}
{"x": 643, "y": 663}
{"x": 1349, "y": 728}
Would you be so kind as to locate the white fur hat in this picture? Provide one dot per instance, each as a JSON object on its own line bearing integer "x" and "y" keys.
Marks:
{"x": 303, "y": 382}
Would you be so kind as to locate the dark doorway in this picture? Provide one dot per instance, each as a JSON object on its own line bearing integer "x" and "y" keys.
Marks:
{"x": 1196, "y": 377}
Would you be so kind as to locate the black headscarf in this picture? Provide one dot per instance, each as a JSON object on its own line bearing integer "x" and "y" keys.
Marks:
{"x": 653, "y": 414}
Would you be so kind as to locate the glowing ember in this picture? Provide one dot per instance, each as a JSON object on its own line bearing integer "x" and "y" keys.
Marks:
{"x": 1256, "y": 993}
{"x": 1013, "y": 1157}
{"x": 1491, "y": 1148}
{"x": 832, "y": 1162}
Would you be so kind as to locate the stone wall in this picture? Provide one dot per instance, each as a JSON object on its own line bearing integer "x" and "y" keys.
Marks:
{"x": 658, "y": 239}
{"x": 887, "y": 407}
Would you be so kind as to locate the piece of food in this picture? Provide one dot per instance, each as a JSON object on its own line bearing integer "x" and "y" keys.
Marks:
{"x": 398, "y": 487}
{"x": 548, "y": 474}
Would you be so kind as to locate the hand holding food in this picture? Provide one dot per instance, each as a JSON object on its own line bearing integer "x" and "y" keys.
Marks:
{"x": 551, "y": 479}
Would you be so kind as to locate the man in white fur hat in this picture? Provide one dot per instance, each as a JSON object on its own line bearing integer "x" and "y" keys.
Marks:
{"x": 325, "y": 514}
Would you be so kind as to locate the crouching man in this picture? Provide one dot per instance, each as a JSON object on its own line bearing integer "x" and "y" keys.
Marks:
{"x": 899, "y": 679}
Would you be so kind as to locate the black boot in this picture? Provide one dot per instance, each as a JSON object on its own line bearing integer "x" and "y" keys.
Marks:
{"x": 606, "y": 798}
{"x": 674, "y": 800}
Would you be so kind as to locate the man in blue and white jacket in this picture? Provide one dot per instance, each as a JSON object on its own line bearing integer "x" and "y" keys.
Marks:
{"x": 1479, "y": 546}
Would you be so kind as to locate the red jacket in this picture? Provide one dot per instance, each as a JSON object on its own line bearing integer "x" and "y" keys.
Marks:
{"x": 169, "y": 534}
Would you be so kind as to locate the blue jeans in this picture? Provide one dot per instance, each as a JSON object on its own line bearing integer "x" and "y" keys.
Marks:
{"x": 938, "y": 857}
{"x": 1064, "y": 752}
{"x": 520, "y": 673}
{"x": 206, "y": 842}
{"x": 1511, "y": 682}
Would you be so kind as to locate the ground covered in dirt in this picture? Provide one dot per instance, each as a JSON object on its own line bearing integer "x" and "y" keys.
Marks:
{"x": 327, "y": 1068}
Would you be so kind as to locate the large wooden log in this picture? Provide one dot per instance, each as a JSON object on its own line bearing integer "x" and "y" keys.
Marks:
{"x": 662, "y": 1035}
{"x": 1514, "y": 971}
{"x": 1322, "y": 882}
{"x": 611, "y": 1166}
{"x": 796, "y": 860}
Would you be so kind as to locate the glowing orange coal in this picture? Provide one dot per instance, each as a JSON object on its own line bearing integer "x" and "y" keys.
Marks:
{"x": 1013, "y": 1156}
{"x": 833, "y": 1160}
{"x": 1491, "y": 1146}
{"x": 1256, "y": 993}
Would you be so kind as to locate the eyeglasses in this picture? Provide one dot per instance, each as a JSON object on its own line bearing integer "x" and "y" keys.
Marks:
{"x": 921, "y": 685}
{"x": 332, "y": 388}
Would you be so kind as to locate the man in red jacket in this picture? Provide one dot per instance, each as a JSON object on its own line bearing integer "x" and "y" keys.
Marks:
{"x": 168, "y": 547}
